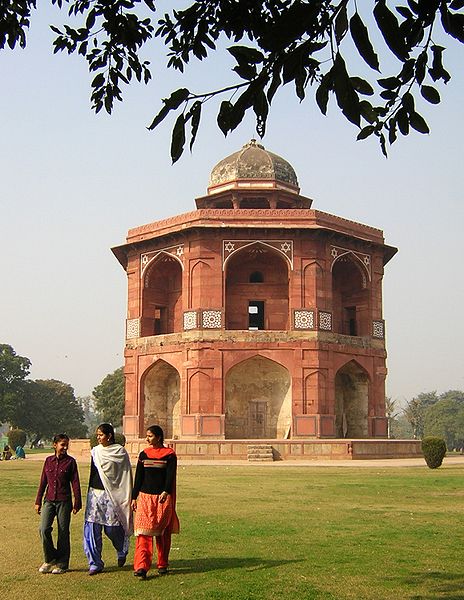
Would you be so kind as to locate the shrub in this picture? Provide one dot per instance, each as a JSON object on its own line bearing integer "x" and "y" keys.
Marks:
{"x": 16, "y": 437}
{"x": 434, "y": 449}
{"x": 119, "y": 438}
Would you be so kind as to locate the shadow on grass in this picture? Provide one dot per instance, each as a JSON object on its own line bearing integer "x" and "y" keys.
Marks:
{"x": 439, "y": 584}
{"x": 202, "y": 565}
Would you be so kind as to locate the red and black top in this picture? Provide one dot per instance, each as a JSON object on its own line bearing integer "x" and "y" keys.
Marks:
{"x": 155, "y": 472}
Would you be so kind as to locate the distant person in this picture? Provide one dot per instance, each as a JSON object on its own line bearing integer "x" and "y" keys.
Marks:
{"x": 19, "y": 452}
{"x": 6, "y": 454}
{"x": 59, "y": 475}
{"x": 154, "y": 500}
{"x": 108, "y": 500}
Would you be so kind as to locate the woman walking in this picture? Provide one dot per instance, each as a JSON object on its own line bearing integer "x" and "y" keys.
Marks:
{"x": 154, "y": 500}
{"x": 108, "y": 500}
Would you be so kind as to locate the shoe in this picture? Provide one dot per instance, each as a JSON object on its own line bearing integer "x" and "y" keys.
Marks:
{"x": 46, "y": 568}
{"x": 58, "y": 571}
{"x": 121, "y": 561}
{"x": 162, "y": 571}
{"x": 95, "y": 571}
{"x": 140, "y": 573}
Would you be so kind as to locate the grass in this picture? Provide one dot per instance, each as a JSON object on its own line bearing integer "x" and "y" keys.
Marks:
{"x": 266, "y": 533}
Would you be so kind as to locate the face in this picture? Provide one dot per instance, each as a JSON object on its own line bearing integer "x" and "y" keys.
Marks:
{"x": 61, "y": 447}
{"x": 152, "y": 439}
{"x": 103, "y": 438}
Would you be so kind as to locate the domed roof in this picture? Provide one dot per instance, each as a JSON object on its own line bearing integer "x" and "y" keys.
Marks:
{"x": 253, "y": 162}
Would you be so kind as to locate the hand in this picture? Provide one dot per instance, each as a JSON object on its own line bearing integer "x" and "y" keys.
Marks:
{"x": 37, "y": 508}
{"x": 163, "y": 497}
{"x": 75, "y": 511}
{"x": 134, "y": 505}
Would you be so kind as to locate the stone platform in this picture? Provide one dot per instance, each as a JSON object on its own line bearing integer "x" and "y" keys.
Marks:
{"x": 283, "y": 450}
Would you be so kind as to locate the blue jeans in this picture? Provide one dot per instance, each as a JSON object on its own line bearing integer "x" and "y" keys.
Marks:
{"x": 93, "y": 542}
{"x": 62, "y": 512}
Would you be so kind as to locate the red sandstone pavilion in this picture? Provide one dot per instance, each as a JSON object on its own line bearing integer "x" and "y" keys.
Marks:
{"x": 256, "y": 317}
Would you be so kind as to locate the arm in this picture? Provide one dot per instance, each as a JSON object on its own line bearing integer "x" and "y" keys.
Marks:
{"x": 171, "y": 469}
{"x": 41, "y": 490}
{"x": 138, "y": 480}
{"x": 76, "y": 487}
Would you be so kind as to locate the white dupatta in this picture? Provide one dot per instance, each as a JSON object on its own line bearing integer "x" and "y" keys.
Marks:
{"x": 113, "y": 466}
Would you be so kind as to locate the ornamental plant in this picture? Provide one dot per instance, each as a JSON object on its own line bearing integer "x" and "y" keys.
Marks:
{"x": 434, "y": 450}
{"x": 16, "y": 437}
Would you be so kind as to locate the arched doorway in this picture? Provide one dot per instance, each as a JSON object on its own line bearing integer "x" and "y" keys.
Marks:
{"x": 257, "y": 289}
{"x": 351, "y": 401}
{"x": 350, "y": 297}
{"x": 162, "y": 296}
{"x": 161, "y": 392}
{"x": 258, "y": 400}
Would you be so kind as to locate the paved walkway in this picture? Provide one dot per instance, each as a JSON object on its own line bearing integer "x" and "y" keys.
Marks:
{"x": 374, "y": 464}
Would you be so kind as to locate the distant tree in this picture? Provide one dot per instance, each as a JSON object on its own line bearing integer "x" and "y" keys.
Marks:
{"x": 391, "y": 413}
{"x": 415, "y": 411}
{"x": 110, "y": 397}
{"x": 91, "y": 419}
{"x": 13, "y": 371}
{"x": 300, "y": 42}
{"x": 445, "y": 419}
{"x": 48, "y": 407}
{"x": 401, "y": 428}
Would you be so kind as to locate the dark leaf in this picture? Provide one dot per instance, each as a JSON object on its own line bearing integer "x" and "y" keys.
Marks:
{"x": 408, "y": 102}
{"x": 98, "y": 81}
{"x": 392, "y": 130}
{"x": 367, "y": 111}
{"x": 390, "y": 30}
{"x": 347, "y": 98}
{"x": 403, "y": 121}
{"x": 322, "y": 92}
{"x": 421, "y": 64}
{"x": 178, "y": 139}
{"x": 171, "y": 103}
{"x": 245, "y": 71}
{"x": 404, "y": 12}
{"x": 362, "y": 86}
{"x": 418, "y": 123}
{"x": 341, "y": 24}
{"x": 453, "y": 23}
{"x": 438, "y": 71}
{"x": 388, "y": 95}
{"x": 457, "y": 4}
{"x": 245, "y": 55}
{"x": 195, "y": 111}
{"x": 389, "y": 83}
{"x": 360, "y": 37}
{"x": 275, "y": 84}
{"x": 430, "y": 94}
{"x": 365, "y": 132}
{"x": 383, "y": 145}
{"x": 223, "y": 117}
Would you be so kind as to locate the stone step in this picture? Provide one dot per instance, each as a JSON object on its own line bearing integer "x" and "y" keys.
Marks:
{"x": 260, "y": 453}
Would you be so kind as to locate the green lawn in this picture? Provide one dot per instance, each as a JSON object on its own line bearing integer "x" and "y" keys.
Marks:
{"x": 266, "y": 533}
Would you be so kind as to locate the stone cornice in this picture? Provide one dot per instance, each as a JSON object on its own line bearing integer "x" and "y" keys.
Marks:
{"x": 255, "y": 218}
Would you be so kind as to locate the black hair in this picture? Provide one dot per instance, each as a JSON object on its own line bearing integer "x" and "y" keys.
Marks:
{"x": 59, "y": 437}
{"x": 156, "y": 430}
{"x": 107, "y": 429}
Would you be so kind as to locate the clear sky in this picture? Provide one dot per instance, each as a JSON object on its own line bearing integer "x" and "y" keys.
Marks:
{"x": 73, "y": 183}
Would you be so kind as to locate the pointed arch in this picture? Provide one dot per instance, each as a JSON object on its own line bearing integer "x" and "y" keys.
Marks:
{"x": 262, "y": 243}
{"x": 350, "y": 296}
{"x": 257, "y": 407}
{"x": 156, "y": 257}
{"x": 251, "y": 304}
{"x": 160, "y": 385}
{"x": 352, "y": 390}
{"x": 162, "y": 296}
